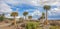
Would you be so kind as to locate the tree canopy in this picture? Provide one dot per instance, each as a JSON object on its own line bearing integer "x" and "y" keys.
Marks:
{"x": 47, "y": 7}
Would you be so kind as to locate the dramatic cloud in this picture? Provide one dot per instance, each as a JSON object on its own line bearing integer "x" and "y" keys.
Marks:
{"x": 4, "y": 8}
{"x": 31, "y": 4}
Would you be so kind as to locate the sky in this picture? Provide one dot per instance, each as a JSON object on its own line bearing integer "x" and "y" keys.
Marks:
{"x": 33, "y": 7}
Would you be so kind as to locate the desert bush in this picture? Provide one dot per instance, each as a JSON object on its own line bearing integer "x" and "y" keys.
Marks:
{"x": 31, "y": 25}
{"x": 22, "y": 25}
{"x": 1, "y": 18}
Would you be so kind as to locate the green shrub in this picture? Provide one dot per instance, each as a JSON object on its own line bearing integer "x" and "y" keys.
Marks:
{"x": 1, "y": 18}
{"x": 31, "y": 25}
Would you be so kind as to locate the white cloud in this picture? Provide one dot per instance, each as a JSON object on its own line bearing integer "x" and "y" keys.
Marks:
{"x": 54, "y": 11}
{"x": 49, "y": 2}
{"x": 4, "y": 8}
{"x": 36, "y": 12}
{"x": 13, "y": 2}
{"x": 46, "y": 2}
{"x": 34, "y": 2}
